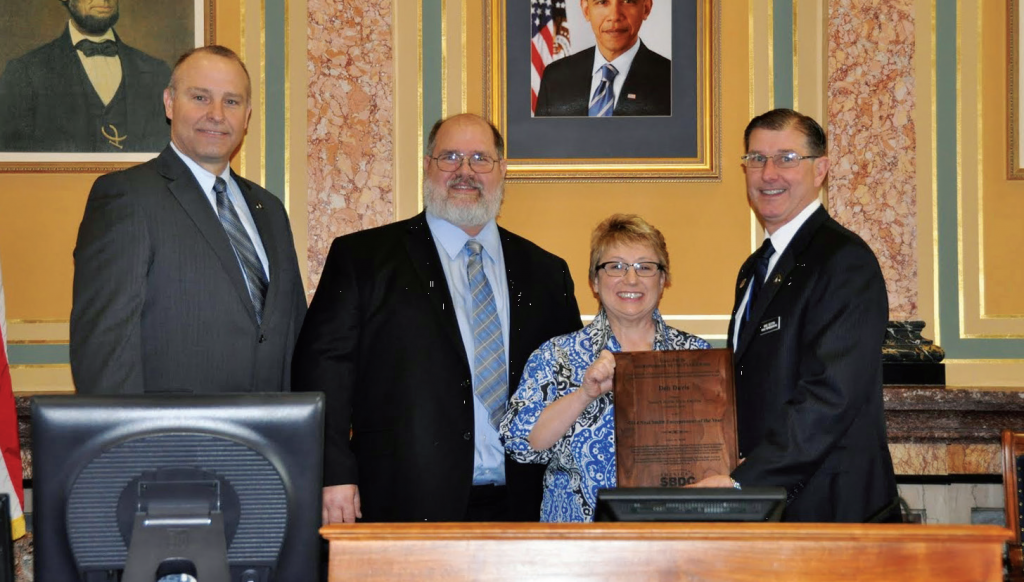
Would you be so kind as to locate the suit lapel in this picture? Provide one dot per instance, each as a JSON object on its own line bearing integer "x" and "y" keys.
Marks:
{"x": 779, "y": 274}
{"x": 182, "y": 184}
{"x": 423, "y": 253}
{"x": 76, "y": 108}
{"x": 519, "y": 278}
{"x": 131, "y": 80}
{"x": 582, "y": 77}
{"x": 743, "y": 281}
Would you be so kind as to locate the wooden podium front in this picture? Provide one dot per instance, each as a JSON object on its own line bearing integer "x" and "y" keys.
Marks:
{"x": 630, "y": 551}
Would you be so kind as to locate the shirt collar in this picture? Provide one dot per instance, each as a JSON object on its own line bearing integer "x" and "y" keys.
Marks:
{"x": 621, "y": 63}
{"x": 205, "y": 178}
{"x": 453, "y": 239}
{"x": 782, "y": 237}
{"x": 77, "y": 36}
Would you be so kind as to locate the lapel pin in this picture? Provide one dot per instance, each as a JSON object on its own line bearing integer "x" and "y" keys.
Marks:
{"x": 742, "y": 283}
{"x": 259, "y": 206}
{"x": 631, "y": 96}
{"x": 778, "y": 278}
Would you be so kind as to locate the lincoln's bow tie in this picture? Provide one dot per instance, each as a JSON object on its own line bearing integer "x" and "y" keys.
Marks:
{"x": 107, "y": 48}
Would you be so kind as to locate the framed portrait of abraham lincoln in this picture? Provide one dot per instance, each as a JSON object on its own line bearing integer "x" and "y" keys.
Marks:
{"x": 82, "y": 81}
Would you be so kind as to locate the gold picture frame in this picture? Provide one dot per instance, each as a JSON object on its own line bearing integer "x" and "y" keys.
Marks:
{"x": 160, "y": 31}
{"x": 1015, "y": 91}
{"x": 507, "y": 72}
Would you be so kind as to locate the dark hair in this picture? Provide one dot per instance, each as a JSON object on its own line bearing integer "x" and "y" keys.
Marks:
{"x": 216, "y": 50}
{"x": 499, "y": 142}
{"x": 781, "y": 119}
{"x": 627, "y": 229}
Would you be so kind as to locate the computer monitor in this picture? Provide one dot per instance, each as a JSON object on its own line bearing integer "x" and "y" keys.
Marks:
{"x": 681, "y": 504}
{"x": 220, "y": 487}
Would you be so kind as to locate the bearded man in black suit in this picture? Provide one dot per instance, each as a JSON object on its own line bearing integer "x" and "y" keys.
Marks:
{"x": 620, "y": 76}
{"x": 807, "y": 330}
{"x": 392, "y": 339}
{"x": 85, "y": 91}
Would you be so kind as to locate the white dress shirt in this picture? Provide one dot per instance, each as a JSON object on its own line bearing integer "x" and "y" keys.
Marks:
{"x": 206, "y": 180}
{"x": 780, "y": 240}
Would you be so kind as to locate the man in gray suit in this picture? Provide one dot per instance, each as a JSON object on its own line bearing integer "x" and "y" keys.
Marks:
{"x": 186, "y": 278}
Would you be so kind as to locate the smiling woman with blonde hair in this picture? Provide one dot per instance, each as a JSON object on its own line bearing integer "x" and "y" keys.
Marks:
{"x": 562, "y": 413}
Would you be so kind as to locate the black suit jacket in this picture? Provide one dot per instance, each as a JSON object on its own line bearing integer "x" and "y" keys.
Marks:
{"x": 565, "y": 86}
{"x": 809, "y": 378}
{"x": 382, "y": 341}
{"x": 43, "y": 107}
{"x": 160, "y": 303}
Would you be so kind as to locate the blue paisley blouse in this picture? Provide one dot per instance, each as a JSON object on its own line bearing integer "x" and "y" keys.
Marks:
{"x": 583, "y": 460}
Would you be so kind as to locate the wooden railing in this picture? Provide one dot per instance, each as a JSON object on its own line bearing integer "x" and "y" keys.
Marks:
{"x": 759, "y": 552}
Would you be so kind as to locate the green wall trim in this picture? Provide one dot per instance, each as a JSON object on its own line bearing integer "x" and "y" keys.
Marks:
{"x": 275, "y": 53}
{"x": 782, "y": 51}
{"x": 432, "y": 47}
{"x": 946, "y": 179}
{"x": 38, "y": 354}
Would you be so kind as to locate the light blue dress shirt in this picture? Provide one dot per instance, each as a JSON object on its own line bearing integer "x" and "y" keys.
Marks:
{"x": 206, "y": 180}
{"x": 489, "y": 457}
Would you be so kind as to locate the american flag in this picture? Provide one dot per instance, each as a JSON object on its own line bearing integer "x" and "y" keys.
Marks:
{"x": 549, "y": 40}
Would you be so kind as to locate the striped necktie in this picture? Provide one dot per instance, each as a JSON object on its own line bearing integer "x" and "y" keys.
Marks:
{"x": 603, "y": 102}
{"x": 489, "y": 379}
{"x": 252, "y": 268}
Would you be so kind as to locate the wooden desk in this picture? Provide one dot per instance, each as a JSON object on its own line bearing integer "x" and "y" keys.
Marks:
{"x": 704, "y": 552}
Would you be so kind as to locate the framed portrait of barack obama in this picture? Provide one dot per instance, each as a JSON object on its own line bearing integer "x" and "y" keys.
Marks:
{"x": 605, "y": 90}
{"x": 82, "y": 81}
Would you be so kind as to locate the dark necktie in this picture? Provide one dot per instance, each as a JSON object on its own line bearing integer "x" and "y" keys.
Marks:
{"x": 603, "y": 101}
{"x": 762, "y": 257}
{"x": 252, "y": 268}
{"x": 489, "y": 378}
{"x": 107, "y": 48}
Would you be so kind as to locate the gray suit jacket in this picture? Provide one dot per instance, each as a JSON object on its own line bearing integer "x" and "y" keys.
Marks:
{"x": 160, "y": 303}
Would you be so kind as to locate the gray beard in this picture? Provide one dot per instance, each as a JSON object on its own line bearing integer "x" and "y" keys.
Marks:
{"x": 437, "y": 203}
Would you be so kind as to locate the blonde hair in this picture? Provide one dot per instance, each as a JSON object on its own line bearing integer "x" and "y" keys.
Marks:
{"x": 627, "y": 229}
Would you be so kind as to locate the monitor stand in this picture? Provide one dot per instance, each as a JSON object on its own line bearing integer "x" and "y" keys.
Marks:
{"x": 178, "y": 542}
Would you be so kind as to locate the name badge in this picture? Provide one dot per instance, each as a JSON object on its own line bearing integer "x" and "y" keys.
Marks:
{"x": 770, "y": 326}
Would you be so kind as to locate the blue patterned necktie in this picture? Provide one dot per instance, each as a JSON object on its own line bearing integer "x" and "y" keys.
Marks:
{"x": 252, "y": 268}
{"x": 764, "y": 255}
{"x": 603, "y": 102}
{"x": 489, "y": 380}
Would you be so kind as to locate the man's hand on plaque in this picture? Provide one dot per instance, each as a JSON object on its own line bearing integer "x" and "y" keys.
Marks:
{"x": 714, "y": 481}
{"x": 599, "y": 377}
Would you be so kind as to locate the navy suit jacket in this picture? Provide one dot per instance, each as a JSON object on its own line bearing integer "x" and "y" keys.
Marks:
{"x": 809, "y": 378}
{"x": 43, "y": 107}
{"x": 159, "y": 301}
{"x": 647, "y": 90}
{"x": 382, "y": 341}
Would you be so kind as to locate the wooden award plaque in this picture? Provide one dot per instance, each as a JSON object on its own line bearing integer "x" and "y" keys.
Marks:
{"x": 675, "y": 417}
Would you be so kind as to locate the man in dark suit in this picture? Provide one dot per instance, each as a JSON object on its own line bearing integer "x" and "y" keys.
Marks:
{"x": 85, "y": 91}
{"x": 620, "y": 76}
{"x": 186, "y": 278}
{"x": 807, "y": 330}
{"x": 394, "y": 340}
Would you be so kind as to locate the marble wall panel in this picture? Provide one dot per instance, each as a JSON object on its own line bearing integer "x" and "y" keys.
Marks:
{"x": 348, "y": 121}
{"x": 872, "y": 185}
